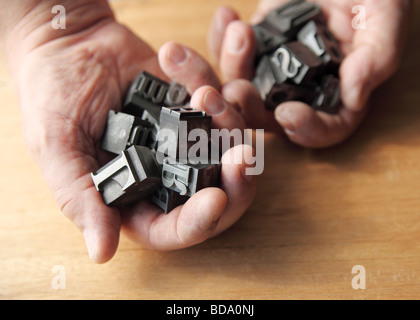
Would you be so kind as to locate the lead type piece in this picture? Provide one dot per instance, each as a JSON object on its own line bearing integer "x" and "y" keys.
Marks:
{"x": 275, "y": 89}
{"x": 296, "y": 63}
{"x": 187, "y": 179}
{"x": 288, "y": 19}
{"x": 322, "y": 42}
{"x": 175, "y": 126}
{"x": 123, "y": 131}
{"x": 131, "y": 176}
{"x": 168, "y": 199}
{"x": 267, "y": 41}
{"x": 146, "y": 92}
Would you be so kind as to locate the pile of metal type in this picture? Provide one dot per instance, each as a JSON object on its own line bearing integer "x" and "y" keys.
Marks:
{"x": 149, "y": 140}
{"x": 298, "y": 58}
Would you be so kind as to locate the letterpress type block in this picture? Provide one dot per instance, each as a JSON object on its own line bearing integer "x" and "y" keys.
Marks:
{"x": 123, "y": 131}
{"x": 187, "y": 179}
{"x": 167, "y": 199}
{"x": 291, "y": 17}
{"x": 267, "y": 41}
{"x": 265, "y": 77}
{"x": 287, "y": 92}
{"x": 146, "y": 92}
{"x": 274, "y": 89}
{"x": 174, "y": 128}
{"x": 295, "y": 63}
{"x": 328, "y": 96}
{"x": 132, "y": 176}
{"x": 177, "y": 95}
{"x": 323, "y": 43}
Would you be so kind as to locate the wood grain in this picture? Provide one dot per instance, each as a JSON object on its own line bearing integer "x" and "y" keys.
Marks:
{"x": 317, "y": 213}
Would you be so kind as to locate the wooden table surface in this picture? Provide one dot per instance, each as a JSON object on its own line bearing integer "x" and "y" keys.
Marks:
{"x": 317, "y": 214}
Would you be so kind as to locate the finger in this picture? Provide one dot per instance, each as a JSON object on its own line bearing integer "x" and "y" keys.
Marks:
{"x": 83, "y": 205}
{"x": 356, "y": 75}
{"x": 221, "y": 19}
{"x": 237, "y": 58}
{"x": 238, "y": 182}
{"x": 100, "y": 227}
{"x": 185, "y": 226}
{"x": 187, "y": 67}
{"x": 245, "y": 96}
{"x": 224, "y": 115}
{"x": 315, "y": 129}
{"x": 209, "y": 212}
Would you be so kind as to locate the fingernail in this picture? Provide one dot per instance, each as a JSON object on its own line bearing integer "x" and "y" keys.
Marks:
{"x": 91, "y": 241}
{"x": 235, "y": 44}
{"x": 177, "y": 54}
{"x": 213, "y": 103}
{"x": 282, "y": 116}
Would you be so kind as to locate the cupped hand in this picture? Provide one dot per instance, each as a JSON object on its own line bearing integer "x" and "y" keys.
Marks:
{"x": 66, "y": 88}
{"x": 372, "y": 55}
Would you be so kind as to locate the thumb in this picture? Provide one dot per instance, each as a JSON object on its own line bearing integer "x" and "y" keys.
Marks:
{"x": 79, "y": 200}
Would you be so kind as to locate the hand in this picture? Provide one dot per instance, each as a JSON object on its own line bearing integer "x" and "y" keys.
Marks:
{"x": 371, "y": 57}
{"x": 66, "y": 88}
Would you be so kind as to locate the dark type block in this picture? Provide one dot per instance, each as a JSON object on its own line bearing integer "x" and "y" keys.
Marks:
{"x": 154, "y": 129}
{"x": 150, "y": 93}
{"x": 147, "y": 86}
{"x": 286, "y": 92}
{"x": 175, "y": 126}
{"x": 328, "y": 99}
{"x": 267, "y": 42}
{"x": 265, "y": 77}
{"x": 151, "y": 88}
{"x": 274, "y": 90}
{"x": 177, "y": 95}
{"x": 323, "y": 43}
{"x": 265, "y": 81}
{"x": 132, "y": 176}
{"x": 291, "y": 17}
{"x": 167, "y": 199}
{"x": 187, "y": 179}
{"x": 153, "y": 136}
{"x": 294, "y": 62}
{"x": 123, "y": 131}
{"x": 146, "y": 92}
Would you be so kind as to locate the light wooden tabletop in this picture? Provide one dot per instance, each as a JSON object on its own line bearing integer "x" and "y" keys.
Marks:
{"x": 317, "y": 213}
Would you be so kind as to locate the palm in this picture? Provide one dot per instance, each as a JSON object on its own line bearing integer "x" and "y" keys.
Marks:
{"x": 83, "y": 82}
{"x": 80, "y": 83}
